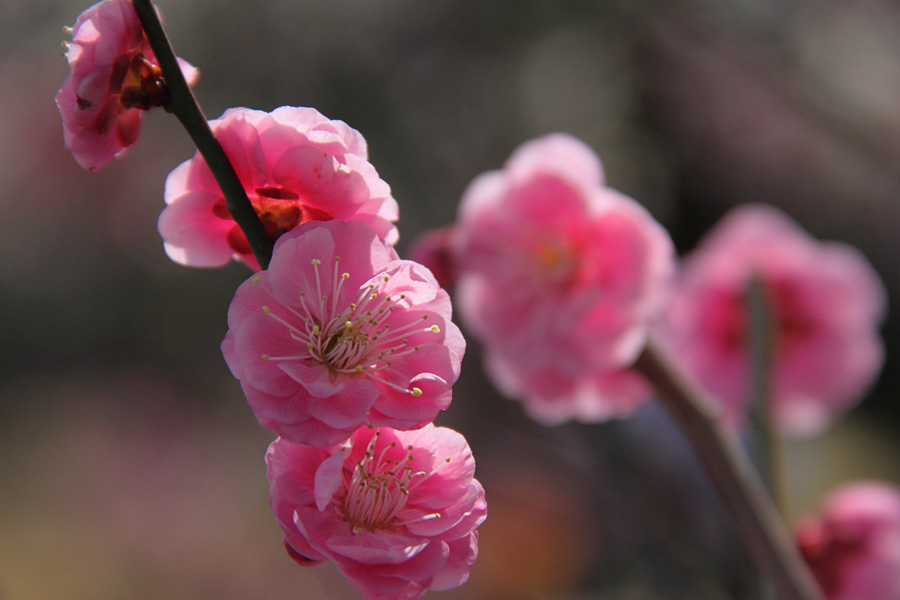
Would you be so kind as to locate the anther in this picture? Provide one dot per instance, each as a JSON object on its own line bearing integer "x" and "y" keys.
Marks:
{"x": 416, "y": 392}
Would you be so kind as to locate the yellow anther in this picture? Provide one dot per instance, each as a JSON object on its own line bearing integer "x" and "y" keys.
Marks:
{"x": 316, "y": 261}
{"x": 345, "y": 276}
{"x": 255, "y": 279}
{"x": 265, "y": 309}
{"x": 435, "y": 329}
{"x": 386, "y": 278}
{"x": 265, "y": 356}
{"x": 348, "y": 324}
{"x": 416, "y": 392}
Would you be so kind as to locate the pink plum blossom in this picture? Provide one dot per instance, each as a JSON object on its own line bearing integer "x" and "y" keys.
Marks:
{"x": 340, "y": 332}
{"x": 825, "y": 304}
{"x": 396, "y": 511}
{"x": 114, "y": 78}
{"x": 560, "y": 276}
{"x": 296, "y": 166}
{"x": 853, "y": 547}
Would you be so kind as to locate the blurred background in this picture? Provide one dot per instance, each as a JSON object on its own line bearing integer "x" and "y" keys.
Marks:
{"x": 130, "y": 464}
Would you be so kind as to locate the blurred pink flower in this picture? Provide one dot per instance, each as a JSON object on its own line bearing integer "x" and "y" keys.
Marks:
{"x": 853, "y": 548}
{"x": 434, "y": 249}
{"x": 396, "y": 511}
{"x": 826, "y": 304}
{"x": 559, "y": 276}
{"x": 114, "y": 78}
{"x": 296, "y": 166}
{"x": 340, "y": 332}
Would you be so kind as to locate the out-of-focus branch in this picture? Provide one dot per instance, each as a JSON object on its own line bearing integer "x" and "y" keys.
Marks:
{"x": 765, "y": 440}
{"x": 753, "y": 512}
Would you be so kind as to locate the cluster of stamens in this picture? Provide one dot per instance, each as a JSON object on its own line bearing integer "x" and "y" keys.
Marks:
{"x": 357, "y": 339}
{"x": 380, "y": 488}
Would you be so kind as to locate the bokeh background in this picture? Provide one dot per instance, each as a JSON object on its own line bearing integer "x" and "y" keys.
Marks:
{"x": 130, "y": 465}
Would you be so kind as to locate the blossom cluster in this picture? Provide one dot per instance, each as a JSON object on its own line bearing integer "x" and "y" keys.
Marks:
{"x": 562, "y": 279}
{"x": 348, "y": 352}
{"x": 343, "y": 349}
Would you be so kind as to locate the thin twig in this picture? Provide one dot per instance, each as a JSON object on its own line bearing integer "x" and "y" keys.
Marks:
{"x": 765, "y": 440}
{"x": 757, "y": 520}
{"x": 184, "y": 106}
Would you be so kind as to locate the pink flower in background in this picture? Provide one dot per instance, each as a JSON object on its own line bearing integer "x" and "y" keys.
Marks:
{"x": 396, "y": 511}
{"x": 826, "y": 304}
{"x": 340, "y": 332}
{"x": 559, "y": 276}
{"x": 114, "y": 78}
{"x": 434, "y": 249}
{"x": 296, "y": 166}
{"x": 853, "y": 548}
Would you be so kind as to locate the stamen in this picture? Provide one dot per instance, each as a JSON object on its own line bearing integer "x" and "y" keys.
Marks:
{"x": 380, "y": 488}
{"x": 315, "y": 263}
{"x": 356, "y": 339}
{"x": 428, "y": 476}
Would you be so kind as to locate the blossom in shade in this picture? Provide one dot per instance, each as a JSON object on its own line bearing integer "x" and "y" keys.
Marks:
{"x": 853, "y": 546}
{"x": 434, "y": 249}
{"x": 396, "y": 511}
{"x": 340, "y": 332}
{"x": 296, "y": 166}
{"x": 824, "y": 301}
{"x": 114, "y": 78}
{"x": 560, "y": 276}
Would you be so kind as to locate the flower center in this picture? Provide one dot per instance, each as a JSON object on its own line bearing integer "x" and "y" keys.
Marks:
{"x": 355, "y": 339}
{"x": 279, "y": 210}
{"x": 143, "y": 85}
{"x": 379, "y": 488}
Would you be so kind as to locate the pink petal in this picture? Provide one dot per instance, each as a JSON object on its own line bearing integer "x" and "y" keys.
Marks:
{"x": 192, "y": 234}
